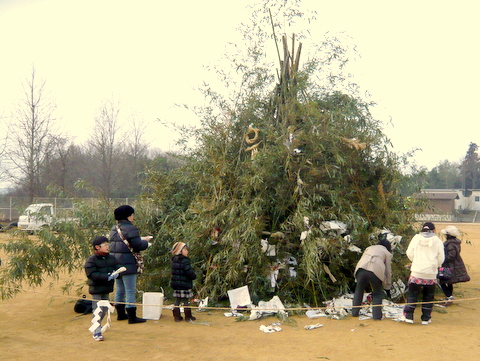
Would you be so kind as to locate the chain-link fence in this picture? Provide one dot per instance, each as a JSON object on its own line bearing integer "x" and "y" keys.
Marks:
{"x": 12, "y": 207}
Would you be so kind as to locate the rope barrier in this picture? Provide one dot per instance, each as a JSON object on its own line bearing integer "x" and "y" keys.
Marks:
{"x": 248, "y": 308}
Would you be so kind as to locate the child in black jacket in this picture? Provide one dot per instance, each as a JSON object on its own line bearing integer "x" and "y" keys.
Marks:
{"x": 181, "y": 282}
{"x": 99, "y": 268}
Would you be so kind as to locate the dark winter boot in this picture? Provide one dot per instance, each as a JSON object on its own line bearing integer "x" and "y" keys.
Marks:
{"x": 176, "y": 314}
{"x": 132, "y": 316}
{"x": 188, "y": 314}
{"x": 121, "y": 315}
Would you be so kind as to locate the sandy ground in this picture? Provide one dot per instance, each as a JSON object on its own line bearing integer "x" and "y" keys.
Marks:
{"x": 40, "y": 324}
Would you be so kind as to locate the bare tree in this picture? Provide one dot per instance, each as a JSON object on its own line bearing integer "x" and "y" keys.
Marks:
{"x": 31, "y": 137}
{"x": 136, "y": 153}
{"x": 60, "y": 164}
{"x": 105, "y": 148}
{"x": 136, "y": 145}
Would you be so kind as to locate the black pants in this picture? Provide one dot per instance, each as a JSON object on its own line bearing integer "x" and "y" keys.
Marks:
{"x": 447, "y": 288}
{"x": 364, "y": 278}
{"x": 428, "y": 293}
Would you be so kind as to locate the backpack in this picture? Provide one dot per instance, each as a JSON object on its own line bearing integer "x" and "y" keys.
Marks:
{"x": 83, "y": 306}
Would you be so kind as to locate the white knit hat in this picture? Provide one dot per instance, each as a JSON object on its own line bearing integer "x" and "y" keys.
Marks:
{"x": 451, "y": 231}
{"x": 177, "y": 248}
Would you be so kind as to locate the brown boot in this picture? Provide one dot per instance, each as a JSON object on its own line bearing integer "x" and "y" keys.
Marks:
{"x": 176, "y": 314}
{"x": 188, "y": 314}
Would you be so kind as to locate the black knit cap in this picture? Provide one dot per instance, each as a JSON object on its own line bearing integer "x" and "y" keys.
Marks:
{"x": 123, "y": 212}
{"x": 97, "y": 241}
{"x": 428, "y": 226}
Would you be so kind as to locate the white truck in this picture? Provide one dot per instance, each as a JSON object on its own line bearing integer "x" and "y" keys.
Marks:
{"x": 37, "y": 216}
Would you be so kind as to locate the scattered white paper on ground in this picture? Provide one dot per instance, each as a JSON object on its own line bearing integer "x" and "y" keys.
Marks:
{"x": 315, "y": 313}
{"x": 270, "y": 328}
{"x": 275, "y": 305}
{"x": 311, "y": 327}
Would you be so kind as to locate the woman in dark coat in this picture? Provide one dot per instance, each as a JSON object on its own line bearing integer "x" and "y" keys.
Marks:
{"x": 126, "y": 283}
{"x": 454, "y": 261}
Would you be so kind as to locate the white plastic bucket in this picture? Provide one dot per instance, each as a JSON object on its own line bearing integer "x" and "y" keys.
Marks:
{"x": 152, "y": 305}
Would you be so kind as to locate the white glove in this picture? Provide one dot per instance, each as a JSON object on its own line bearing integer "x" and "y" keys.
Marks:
{"x": 112, "y": 276}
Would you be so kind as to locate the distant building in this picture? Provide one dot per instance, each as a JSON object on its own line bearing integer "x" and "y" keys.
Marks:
{"x": 469, "y": 200}
{"x": 451, "y": 204}
{"x": 442, "y": 201}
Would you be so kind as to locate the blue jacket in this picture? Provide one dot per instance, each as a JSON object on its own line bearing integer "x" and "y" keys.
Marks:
{"x": 119, "y": 249}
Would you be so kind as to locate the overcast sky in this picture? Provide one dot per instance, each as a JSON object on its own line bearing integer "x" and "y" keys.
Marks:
{"x": 420, "y": 61}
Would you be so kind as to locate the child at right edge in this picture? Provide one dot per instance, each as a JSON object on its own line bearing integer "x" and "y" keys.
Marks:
{"x": 182, "y": 281}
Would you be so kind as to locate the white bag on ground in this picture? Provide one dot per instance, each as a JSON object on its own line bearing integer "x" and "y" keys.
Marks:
{"x": 152, "y": 305}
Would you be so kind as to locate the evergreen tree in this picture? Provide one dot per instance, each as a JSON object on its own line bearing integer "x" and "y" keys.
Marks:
{"x": 471, "y": 168}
